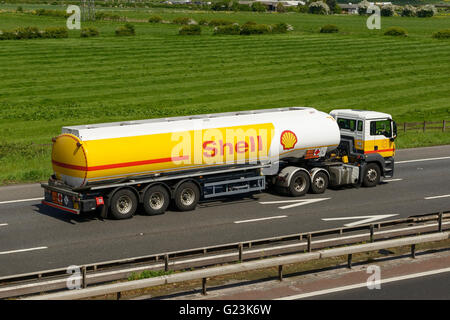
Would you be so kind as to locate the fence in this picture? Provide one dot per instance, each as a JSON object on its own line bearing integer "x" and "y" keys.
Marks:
{"x": 424, "y": 126}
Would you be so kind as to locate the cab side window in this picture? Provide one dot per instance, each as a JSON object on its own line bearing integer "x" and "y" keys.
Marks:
{"x": 382, "y": 127}
{"x": 360, "y": 125}
{"x": 347, "y": 124}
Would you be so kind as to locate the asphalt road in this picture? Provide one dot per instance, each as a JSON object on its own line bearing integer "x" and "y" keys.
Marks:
{"x": 34, "y": 237}
{"x": 431, "y": 287}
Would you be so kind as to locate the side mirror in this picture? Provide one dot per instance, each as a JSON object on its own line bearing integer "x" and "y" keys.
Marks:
{"x": 394, "y": 131}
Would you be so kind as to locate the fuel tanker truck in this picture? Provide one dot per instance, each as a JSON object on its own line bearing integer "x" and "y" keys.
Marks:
{"x": 118, "y": 167}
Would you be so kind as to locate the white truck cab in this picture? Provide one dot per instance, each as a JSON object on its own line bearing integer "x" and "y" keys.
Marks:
{"x": 370, "y": 131}
{"x": 368, "y": 134}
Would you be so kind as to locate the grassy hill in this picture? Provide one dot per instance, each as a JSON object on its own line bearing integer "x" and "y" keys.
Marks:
{"x": 50, "y": 83}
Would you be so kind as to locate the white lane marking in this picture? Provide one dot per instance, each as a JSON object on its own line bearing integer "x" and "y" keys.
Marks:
{"x": 376, "y": 233}
{"x": 296, "y": 203}
{"x": 392, "y": 180}
{"x": 158, "y": 265}
{"x": 22, "y": 250}
{"x": 20, "y": 200}
{"x": 3, "y": 224}
{"x": 365, "y": 219}
{"x": 437, "y": 197}
{"x": 362, "y": 285}
{"x": 260, "y": 219}
{"x": 419, "y": 160}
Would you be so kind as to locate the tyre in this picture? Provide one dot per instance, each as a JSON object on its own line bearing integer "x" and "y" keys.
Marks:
{"x": 123, "y": 204}
{"x": 299, "y": 184}
{"x": 186, "y": 196}
{"x": 372, "y": 175}
{"x": 156, "y": 200}
{"x": 319, "y": 183}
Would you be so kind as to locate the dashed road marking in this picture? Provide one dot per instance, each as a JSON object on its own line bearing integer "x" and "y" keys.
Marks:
{"x": 21, "y": 200}
{"x": 296, "y": 203}
{"x": 260, "y": 219}
{"x": 362, "y": 219}
{"x": 22, "y": 250}
{"x": 362, "y": 285}
{"x": 419, "y": 160}
{"x": 437, "y": 197}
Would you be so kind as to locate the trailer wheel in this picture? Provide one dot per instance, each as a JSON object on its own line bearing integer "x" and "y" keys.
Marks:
{"x": 186, "y": 196}
{"x": 299, "y": 184}
{"x": 319, "y": 183}
{"x": 123, "y": 204}
{"x": 156, "y": 200}
{"x": 372, "y": 175}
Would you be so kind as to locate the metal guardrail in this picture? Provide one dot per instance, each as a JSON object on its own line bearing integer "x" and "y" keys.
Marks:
{"x": 97, "y": 273}
{"x": 204, "y": 274}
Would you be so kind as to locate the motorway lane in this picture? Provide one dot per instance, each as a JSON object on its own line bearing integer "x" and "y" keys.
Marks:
{"x": 70, "y": 239}
{"x": 429, "y": 287}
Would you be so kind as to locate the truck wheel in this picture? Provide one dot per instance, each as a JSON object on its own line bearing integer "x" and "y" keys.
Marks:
{"x": 187, "y": 196}
{"x": 372, "y": 175}
{"x": 320, "y": 183}
{"x": 123, "y": 204}
{"x": 299, "y": 184}
{"x": 156, "y": 200}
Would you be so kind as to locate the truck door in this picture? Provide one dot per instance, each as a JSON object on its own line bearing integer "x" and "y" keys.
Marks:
{"x": 380, "y": 136}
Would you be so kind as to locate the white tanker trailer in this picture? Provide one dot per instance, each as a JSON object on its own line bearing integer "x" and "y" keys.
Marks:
{"x": 116, "y": 166}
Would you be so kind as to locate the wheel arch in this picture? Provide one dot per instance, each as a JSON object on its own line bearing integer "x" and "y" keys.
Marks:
{"x": 378, "y": 159}
{"x": 287, "y": 174}
{"x": 111, "y": 193}
{"x": 315, "y": 171}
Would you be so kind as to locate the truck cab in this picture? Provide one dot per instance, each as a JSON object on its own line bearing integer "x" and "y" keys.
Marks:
{"x": 369, "y": 135}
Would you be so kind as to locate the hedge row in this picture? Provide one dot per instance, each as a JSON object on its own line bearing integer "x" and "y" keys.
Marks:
{"x": 51, "y": 13}
{"x": 125, "y": 30}
{"x": 251, "y": 27}
{"x": 329, "y": 28}
{"x": 99, "y": 15}
{"x": 442, "y": 34}
{"x": 405, "y": 11}
{"x": 233, "y": 5}
{"x": 190, "y": 30}
{"x": 190, "y": 21}
{"x": 34, "y": 33}
{"x": 89, "y": 32}
{"x": 395, "y": 31}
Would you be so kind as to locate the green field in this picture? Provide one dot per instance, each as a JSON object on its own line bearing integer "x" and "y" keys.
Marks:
{"x": 49, "y": 83}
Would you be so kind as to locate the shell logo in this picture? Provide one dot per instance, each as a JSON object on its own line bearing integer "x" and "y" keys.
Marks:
{"x": 288, "y": 139}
